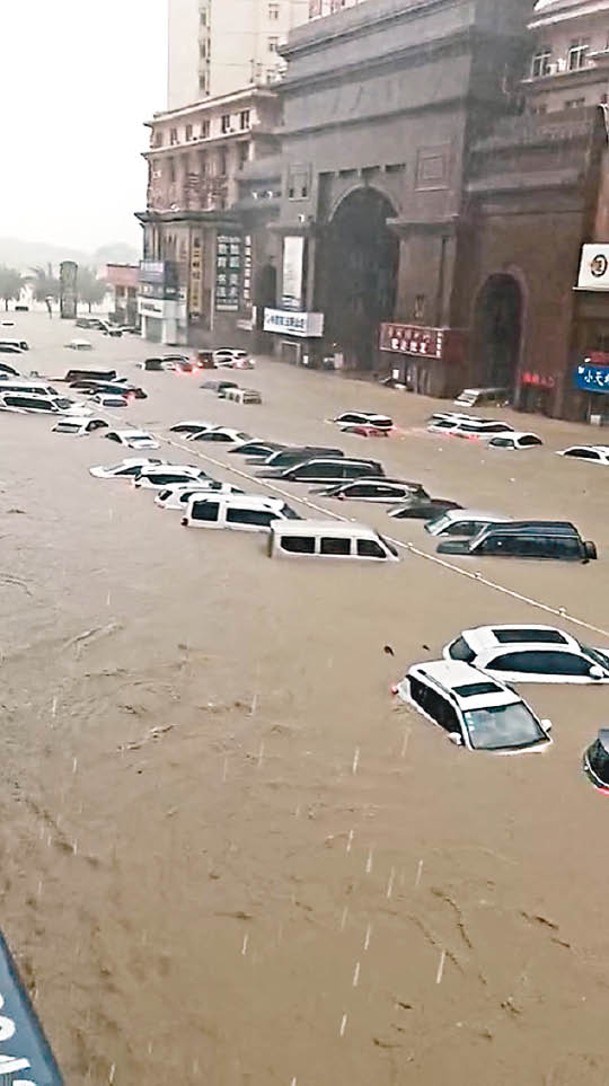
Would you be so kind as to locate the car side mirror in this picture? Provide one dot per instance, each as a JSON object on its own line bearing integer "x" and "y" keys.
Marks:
{"x": 547, "y": 725}
{"x": 456, "y": 738}
{"x": 596, "y": 672}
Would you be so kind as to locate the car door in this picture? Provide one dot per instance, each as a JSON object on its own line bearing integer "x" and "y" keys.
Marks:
{"x": 250, "y": 520}
{"x": 206, "y": 513}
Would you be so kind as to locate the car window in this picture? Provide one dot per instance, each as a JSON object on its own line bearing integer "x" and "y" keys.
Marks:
{"x": 462, "y": 527}
{"x": 502, "y": 442}
{"x": 369, "y": 548}
{"x": 439, "y": 709}
{"x": 113, "y": 437}
{"x": 298, "y": 544}
{"x": 520, "y": 634}
{"x": 583, "y": 454}
{"x": 262, "y": 517}
{"x": 530, "y": 440}
{"x": 205, "y": 511}
{"x": 354, "y": 471}
{"x": 542, "y": 662}
{"x": 335, "y": 545}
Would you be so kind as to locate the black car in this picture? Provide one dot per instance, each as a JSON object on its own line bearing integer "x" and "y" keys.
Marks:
{"x": 297, "y": 454}
{"x": 422, "y": 508}
{"x": 595, "y": 761}
{"x": 525, "y": 539}
{"x": 133, "y": 392}
{"x": 256, "y": 450}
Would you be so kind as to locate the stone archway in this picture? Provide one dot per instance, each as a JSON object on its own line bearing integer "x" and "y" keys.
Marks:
{"x": 498, "y": 323}
{"x": 359, "y": 276}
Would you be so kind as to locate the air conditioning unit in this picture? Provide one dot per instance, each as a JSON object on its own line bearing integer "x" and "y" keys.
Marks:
{"x": 552, "y": 68}
{"x": 561, "y": 65}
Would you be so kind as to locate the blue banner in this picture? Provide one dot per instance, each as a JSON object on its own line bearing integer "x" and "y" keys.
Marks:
{"x": 25, "y": 1056}
{"x": 591, "y": 378}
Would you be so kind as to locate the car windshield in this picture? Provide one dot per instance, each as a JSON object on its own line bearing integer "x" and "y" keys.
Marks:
{"x": 134, "y": 438}
{"x": 503, "y": 727}
{"x": 438, "y": 525}
{"x": 67, "y": 428}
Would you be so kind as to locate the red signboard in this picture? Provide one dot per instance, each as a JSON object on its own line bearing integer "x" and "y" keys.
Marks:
{"x": 442, "y": 344}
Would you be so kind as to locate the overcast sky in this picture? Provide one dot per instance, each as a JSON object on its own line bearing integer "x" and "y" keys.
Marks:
{"x": 77, "y": 80}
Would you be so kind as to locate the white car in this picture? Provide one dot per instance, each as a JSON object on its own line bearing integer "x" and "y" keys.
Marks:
{"x": 78, "y": 426}
{"x": 79, "y": 345}
{"x": 454, "y": 416}
{"x": 126, "y": 469}
{"x": 475, "y": 431}
{"x": 160, "y": 477}
{"x": 475, "y": 712}
{"x": 516, "y": 440}
{"x": 231, "y": 358}
{"x": 106, "y": 399}
{"x": 463, "y": 523}
{"x": 178, "y": 495}
{"x": 221, "y": 434}
{"x": 133, "y": 439}
{"x": 595, "y": 454}
{"x": 363, "y": 418}
{"x": 529, "y": 653}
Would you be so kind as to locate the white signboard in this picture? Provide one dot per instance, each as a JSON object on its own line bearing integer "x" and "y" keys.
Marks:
{"x": 303, "y": 325}
{"x": 594, "y": 268}
{"x": 293, "y": 266}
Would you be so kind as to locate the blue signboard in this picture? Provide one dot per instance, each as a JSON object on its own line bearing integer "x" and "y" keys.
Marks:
{"x": 591, "y": 378}
{"x": 25, "y": 1056}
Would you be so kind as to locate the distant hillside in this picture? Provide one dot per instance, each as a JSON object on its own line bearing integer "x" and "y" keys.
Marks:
{"x": 24, "y": 255}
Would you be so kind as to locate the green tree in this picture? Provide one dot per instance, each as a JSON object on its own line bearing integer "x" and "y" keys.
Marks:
{"x": 10, "y": 284}
{"x": 91, "y": 290}
{"x": 45, "y": 284}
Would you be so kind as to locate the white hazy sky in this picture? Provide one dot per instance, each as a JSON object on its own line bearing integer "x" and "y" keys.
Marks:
{"x": 77, "y": 81}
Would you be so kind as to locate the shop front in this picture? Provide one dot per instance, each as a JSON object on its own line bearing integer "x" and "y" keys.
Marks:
{"x": 591, "y": 377}
{"x": 161, "y": 305}
{"x": 428, "y": 361}
{"x": 297, "y": 336}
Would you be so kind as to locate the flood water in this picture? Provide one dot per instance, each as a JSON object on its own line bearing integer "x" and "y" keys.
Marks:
{"x": 226, "y": 855}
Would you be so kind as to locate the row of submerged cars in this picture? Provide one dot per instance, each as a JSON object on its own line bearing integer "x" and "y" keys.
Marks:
{"x": 502, "y": 435}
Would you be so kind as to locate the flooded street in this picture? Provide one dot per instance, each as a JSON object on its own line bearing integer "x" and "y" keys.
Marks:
{"x": 226, "y": 855}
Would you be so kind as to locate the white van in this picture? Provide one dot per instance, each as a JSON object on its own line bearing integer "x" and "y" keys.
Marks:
{"x": 329, "y": 539}
{"x": 16, "y": 344}
{"x": 246, "y": 513}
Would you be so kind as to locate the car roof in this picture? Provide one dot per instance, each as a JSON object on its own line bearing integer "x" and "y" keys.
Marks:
{"x": 244, "y": 499}
{"x": 475, "y": 514}
{"x": 508, "y": 635}
{"x": 338, "y": 460}
{"x": 550, "y": 527}
{"x": 131, "y": 433}
{"x": 517, "y": 433}
{"x": 456, "y": 677}
{"x": 336, "y": 527}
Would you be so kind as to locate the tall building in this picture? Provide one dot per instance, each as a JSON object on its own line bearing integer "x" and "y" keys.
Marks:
{"x": 220, "y": 46}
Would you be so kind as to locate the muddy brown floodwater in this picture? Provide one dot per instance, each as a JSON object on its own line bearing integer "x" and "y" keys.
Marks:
{"x": 226, "y": 856}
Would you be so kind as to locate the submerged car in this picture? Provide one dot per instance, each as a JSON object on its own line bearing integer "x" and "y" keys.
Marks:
{"x": 595, "y": 761}
{"x": 364, "y": 418}
{"x": 222, "y": 434}
{"x": 159, "y": 478}
{"x": 79, "y": 426}
{"x": 105, "y": 399}
{"x": 178, "y": 495}
{"x": 595, "y": 454}
{"x": 133, "y": 439}
{"x": 529, "y": 653}
{"x": 125, "y": 469}
{"x": 373, "y": 490}
{"x": 232, "y": 358}
{"x": 476, "y": 712}
{"x": 321, "y": 470}
{"x": 422, "y": 507}
{"x": 191, "y": 426}
{"x": 463, "y": 523}
{"x": 256, "y": 450}
{"x": 516, "y": 441}
{"x": 554, "y": 540}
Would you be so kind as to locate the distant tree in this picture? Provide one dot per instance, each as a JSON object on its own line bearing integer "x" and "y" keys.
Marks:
{"x": 11, "y": 282}
{"x": 91, "y": 290}
{"x": 45, "y": 284}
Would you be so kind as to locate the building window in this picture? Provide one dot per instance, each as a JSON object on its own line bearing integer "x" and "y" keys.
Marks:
{"x": 298, "y": 183}
{"x": 577, "y": 57}
{"x": 575, "y": 103}
{"x": 244, "y": 118}
{"x": 244, "y": 153}
{"x": 538, "y": 108}
{"x": 157, "y": 138}
{"x": 225, "y": 122}
{"x": 203, "y": 165}
{"x": 222, "y": 163}
{"x": 418, "y": 313}
{"x": 273, "y": 45}
{"x": 173, "y": 136}
{"x": 203, "y": 83}
{"x": 273, "y": 13}
{"x": 204, "y": 130}
{"x": 540, "y": 65}
{"x": 171, "y": 169}
{"x": 188, "y": 131}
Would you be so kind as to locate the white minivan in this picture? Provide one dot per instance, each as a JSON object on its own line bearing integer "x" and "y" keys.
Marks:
{"x": 329, "y": 539}
{"x": 244, "y": 512}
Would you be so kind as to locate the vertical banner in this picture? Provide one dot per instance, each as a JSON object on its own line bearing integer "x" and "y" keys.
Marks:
{"x": 228, "y": 272}
{"x": 247, "y": 272}
{"x": 195, "y": 287}
{"x": 68, "y": 290}
{"x": 293, "y": 268}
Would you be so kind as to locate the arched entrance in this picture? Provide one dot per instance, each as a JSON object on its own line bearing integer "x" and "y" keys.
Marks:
{"x": 359, "y": 274}
{"x": 498, "y": 332}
